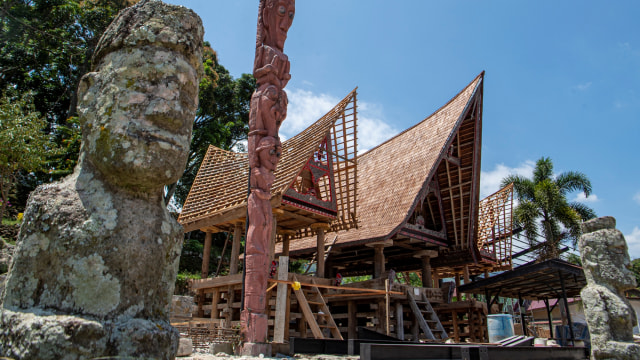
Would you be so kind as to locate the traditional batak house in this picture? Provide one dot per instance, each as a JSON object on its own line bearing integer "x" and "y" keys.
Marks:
{"x": 408, "y": 205}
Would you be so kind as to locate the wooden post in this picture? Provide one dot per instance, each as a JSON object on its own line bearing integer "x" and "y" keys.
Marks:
{"x": 320, "y": 250}
{"x": 215, "y": 299}
{"x": 320, "y": 228}
{"x": 281, "y": 301}
{"x": 285, "y": 244}
{"x": 235, "y": 248}
{"x": 353, "y": 319}
{"x": 414, "y": 328}
{"x": 378, "y": 261}
{"x": 425, "y": 256}
{"x": 206, "y": 255}
{"x": 465, "y": 271}
{"x": 272, "y": 244}
{"x": 378, "y": 257}
{"x": 399, "y": 321}
{"x": 387, "y": 310}
{"x": 458, "y": 296}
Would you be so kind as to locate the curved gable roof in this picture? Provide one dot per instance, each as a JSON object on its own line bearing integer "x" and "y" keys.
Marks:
{"x": 391, "y": 175}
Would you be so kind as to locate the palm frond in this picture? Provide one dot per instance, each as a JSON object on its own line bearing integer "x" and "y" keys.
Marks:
{"x": 543, "y": 170}
{"x": 573, "y": 181}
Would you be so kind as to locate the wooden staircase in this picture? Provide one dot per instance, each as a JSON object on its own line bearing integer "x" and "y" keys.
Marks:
{"x": 316, "y": 312}
{"x": 426, "y": 317}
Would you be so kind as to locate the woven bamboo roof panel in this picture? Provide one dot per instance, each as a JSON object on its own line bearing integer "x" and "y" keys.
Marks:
{"x": 391, "y": 175}
{"x": 220, "y": 187}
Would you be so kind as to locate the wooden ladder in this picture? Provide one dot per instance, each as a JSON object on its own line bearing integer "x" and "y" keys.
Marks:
{"x": 322, "y": 313}
{"x": 426, "y": 317}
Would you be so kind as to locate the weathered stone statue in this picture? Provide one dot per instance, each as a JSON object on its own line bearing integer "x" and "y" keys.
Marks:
{"x": 610, "y": 317}
{"x": 97, "y": 254}
{"x": 268, "y": 110}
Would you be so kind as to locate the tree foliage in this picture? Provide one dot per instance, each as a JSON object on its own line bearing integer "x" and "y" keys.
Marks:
{"x": 544, "y": 211}
{"x": 24, "y": 145}
{"x": 47, "y": 46}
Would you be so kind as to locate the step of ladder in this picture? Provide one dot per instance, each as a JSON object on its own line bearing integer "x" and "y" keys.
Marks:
{"x": 322, "y": 313}
{"x": 426, "y": 317}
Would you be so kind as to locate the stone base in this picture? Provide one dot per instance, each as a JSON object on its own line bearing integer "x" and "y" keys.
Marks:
{"x": 255, "y": 349}
{"x": 44, "y": 336}
{"x": 185, "y": 348}
{"x": 224, "y": 347}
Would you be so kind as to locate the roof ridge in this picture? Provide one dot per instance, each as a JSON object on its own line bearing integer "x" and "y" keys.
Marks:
{"x": 479, "y": 76}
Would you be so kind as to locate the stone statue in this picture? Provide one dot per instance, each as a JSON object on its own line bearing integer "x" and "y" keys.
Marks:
{"x": 268, "y": 110}
{"x": 606, "y": 264}
{"x": 97, "y": 254}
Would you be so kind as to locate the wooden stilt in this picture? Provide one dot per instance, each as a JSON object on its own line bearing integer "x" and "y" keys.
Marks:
{"x": 235, "y": 248}
{"x": 206, "y": 255}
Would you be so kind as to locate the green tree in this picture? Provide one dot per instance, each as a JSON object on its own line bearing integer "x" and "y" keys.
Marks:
{"x": 24, "y": 145}
{"x": 222, "y": 119}
{"x": 47, "y": 46}
{"x": 544, "y": 211}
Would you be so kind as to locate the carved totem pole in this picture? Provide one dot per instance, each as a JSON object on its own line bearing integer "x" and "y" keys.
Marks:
{"x": 268, "y": 110}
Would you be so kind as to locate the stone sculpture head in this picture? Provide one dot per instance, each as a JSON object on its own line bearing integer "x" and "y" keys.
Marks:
{"x": 269, "y": 150}
{"x": 138, "y": 104}
{"x": 277, "y": 17}
{"x": 604, "y": 254}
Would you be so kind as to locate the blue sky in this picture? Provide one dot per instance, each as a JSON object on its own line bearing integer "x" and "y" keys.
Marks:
{"x": 561, "y": 78}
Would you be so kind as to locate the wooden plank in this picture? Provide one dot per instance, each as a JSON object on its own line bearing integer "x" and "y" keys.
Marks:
{"x": 308, "y": 314}
{"x": 217, "y": 282}
{"x": 281, "y": 301}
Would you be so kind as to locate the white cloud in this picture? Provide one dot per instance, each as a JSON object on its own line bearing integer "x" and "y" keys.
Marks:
{"x": 372, "y": 132}
{"x": 636, "y": 197}
{"x": 580, "y": 197}
{"x": 490, "y": 180}
{"x": 633, "y": 242}
{"x": 306, "y": 107}
{"x": 583, "y": 87}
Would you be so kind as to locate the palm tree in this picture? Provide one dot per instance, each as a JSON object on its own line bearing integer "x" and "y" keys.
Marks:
{"x": 543, "y": 209}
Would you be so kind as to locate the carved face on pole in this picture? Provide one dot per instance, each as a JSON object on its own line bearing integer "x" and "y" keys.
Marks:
{"x": 137, "y": 111}
{"x": 269, "y": 151}
{"x": 277, "y": 17}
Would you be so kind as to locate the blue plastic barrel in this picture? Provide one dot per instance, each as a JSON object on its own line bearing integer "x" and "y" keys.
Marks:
{"x": 500, "y": 327}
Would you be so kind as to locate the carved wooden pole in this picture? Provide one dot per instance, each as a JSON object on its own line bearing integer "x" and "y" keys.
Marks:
{"x": 268, "y": 110}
